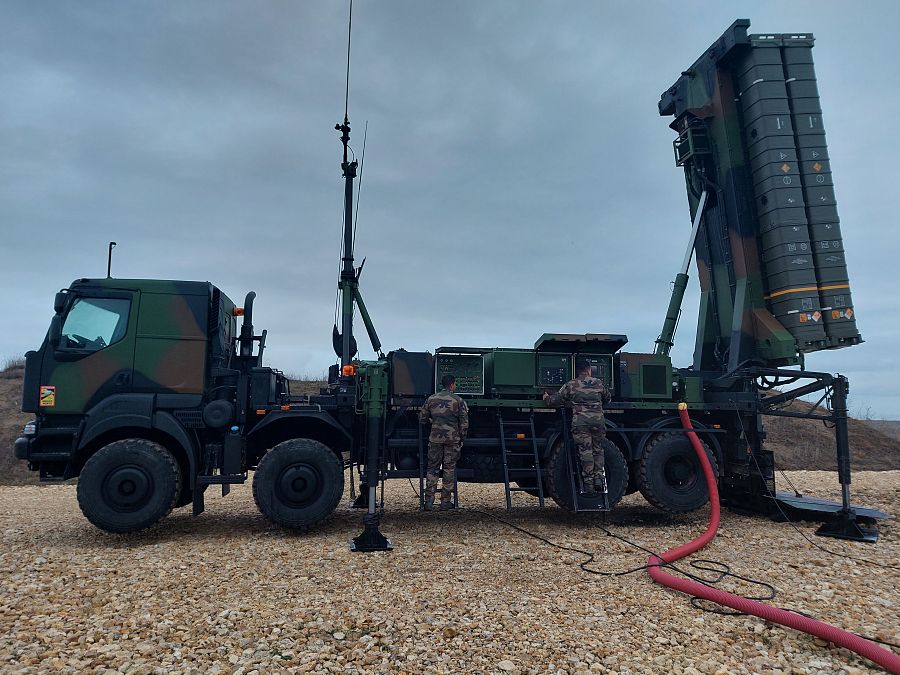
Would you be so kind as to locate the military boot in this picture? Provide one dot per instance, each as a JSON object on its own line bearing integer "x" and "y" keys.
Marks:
{"x": 600, "y": 482}
{"x": 587, "y": 489}
{"x": 428, "y": 504}
{"x": 447, "y": 505}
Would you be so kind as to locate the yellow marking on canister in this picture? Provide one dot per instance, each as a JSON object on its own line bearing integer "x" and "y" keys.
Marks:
{"x": 800, "y": 289}
{"x": 806, "y": 289}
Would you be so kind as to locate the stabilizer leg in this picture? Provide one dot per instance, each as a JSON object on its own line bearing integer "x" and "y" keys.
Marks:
{"x": 845, "y": 525}
{"x": 371, "y": 538}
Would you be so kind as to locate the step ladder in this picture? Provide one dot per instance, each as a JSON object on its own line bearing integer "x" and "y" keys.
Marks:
{"x": 222, "y": 465}
{"x": 515, "y": 437}
{"x": 579, "y": 503}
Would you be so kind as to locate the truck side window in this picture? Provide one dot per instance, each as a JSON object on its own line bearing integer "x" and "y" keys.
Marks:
{"x": 94, "y": 323}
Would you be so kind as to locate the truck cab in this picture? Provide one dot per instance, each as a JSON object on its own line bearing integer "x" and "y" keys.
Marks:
{"x": 153, "y": 378}
{"x": 113, "y": 337}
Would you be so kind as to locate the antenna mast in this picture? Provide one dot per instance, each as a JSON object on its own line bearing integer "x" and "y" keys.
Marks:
{"x": 112, "y": 245}
{"x": 348, "y": 281}
{"x": 348, "y": 284}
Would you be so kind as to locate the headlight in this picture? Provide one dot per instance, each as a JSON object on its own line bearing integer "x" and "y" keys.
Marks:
{"x": 30, "y": 428}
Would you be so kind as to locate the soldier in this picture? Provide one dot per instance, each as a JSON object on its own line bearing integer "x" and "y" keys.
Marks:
{"x": 586, "y": 396}
{"x": 449, "y": 417}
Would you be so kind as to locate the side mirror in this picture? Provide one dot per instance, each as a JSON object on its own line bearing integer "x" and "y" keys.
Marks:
{"x": 59, "y": 302}
{"x": 55, "y": 333}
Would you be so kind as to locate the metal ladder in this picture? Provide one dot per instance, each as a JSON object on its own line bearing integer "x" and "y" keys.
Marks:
{"x": 579, "y": 503}
{"x": 517, "y": 440}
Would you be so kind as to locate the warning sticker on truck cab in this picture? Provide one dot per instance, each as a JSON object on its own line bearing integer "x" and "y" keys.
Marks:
{"x": 47, "y": 395}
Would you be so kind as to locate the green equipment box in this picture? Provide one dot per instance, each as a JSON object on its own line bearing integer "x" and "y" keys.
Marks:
{"x": 524, "y": 373}
{"x": 467, "y": 368}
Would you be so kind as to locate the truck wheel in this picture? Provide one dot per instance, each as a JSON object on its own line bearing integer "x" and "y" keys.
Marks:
{"x": 671, "y": 477}
{"x": 634, "y": 468}
{"x": 128, "y": 485}
{"x": 185, "y": 496}
{"x": 298, "y": 483}
{"x": 560, "y": 482}
{"x": 487, "y": 468}
{"x": 529, "y": 485}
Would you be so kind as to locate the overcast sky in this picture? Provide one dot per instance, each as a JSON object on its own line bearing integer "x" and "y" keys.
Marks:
{"x": 518, "y": 179}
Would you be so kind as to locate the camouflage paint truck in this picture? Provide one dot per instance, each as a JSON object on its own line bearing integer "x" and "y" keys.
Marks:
{"x": 149, "y": 393}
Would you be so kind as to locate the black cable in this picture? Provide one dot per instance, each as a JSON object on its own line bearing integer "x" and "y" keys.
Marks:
{"x": 789, "y": 482}
{"x": 864, "y": 637}
{"x": 794, "y": 525}
{"x": 362, "y": 166}
{"x": 722, "y": 572}
{"x": 583, "y": 565}
{"x": 804, "y": 535}
{"x": 704, "y": 564}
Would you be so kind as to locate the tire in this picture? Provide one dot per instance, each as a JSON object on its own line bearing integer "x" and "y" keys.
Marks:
{"x": 185, "y": 496}
{"x": 671, "y": 477}
{"x": 298, "y": 484}
{"x": 560, "y": 483}
{"x": 486, "y": 468}
{"x": 128, "y": 485}
{"x": 634, "y": 468}
{"x": 529, "y": 485}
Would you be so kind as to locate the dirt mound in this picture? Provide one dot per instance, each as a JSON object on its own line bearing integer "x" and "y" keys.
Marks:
{"x": 305, "y": 387}
{"x": 887, "y": 427}
{"x": 12, "y": 419}
{"x": 808, "y": 444}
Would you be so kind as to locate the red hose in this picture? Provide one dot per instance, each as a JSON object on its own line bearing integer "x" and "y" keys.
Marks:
{"x": 884, "y": 658}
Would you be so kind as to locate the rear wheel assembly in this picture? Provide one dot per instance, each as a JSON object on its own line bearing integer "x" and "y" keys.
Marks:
{"x": 670, "y": 476}
{"x": 559, "y": 479}
{"x": 298, "y": 483}
{"x": 128, "y": 485}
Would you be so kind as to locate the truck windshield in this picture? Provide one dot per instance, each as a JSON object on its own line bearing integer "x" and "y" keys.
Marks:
{"x": 94, "y": 323}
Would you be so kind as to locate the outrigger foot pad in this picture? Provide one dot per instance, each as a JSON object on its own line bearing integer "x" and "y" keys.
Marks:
{"x": 845, "y": 526}
{"x": 371, "y": 538}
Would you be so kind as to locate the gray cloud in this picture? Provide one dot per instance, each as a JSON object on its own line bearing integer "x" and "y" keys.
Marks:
{"x": 514, "y": 154}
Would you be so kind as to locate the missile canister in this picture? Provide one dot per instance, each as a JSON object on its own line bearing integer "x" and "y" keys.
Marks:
{"x": 769, "y": 252}
{"x": 808, "y": 287}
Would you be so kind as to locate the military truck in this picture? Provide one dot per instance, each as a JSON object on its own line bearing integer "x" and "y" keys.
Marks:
{"x": 148, "y": 392}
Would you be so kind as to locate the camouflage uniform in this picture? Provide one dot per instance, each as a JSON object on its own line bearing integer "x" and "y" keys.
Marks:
{"x": 449, "y": 417}
{"x": 586, "y": 397}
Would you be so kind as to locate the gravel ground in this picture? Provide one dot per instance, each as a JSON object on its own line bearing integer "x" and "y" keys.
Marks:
{"x": 461, "y": 592}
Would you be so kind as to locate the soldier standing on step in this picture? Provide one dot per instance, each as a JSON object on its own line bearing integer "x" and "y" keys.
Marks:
{"x": 586, "y": 395}
{"x": 449, "y": 417}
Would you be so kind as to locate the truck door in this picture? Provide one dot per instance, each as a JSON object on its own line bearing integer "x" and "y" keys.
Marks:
{"x": 94, "y": 355}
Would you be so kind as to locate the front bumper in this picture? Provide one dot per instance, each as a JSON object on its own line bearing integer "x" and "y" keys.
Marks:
{"x": 22, "y": 447}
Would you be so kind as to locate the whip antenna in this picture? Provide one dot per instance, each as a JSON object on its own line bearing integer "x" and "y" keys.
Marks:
{"x": 348, "y": 283}
{"x": 347, "y": 92}
{"x": 362, "y": 166}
